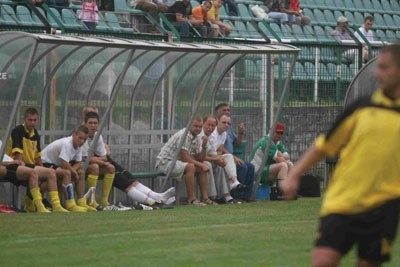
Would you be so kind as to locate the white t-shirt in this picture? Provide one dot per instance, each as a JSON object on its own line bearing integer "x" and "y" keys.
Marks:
{"x": 7, "y": 158}
{"x": 216, "y": 139}
{"x": 61, "y": 149}
{"x": 99, "y": 150}
{"x": 368, "y": 35}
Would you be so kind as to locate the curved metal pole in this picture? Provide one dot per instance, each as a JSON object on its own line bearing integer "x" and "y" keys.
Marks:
{"x": 74, "y": 77}
{"x": 153, "y": 98}
{"x": 218, "y": 82}
{"x": 209, "y": 71}
{"x": 101, "y": 72}
{"x": 173, "y": 100}
{"x": 12, "y": 40}
{"x": 272, "y": 129}
{"x": 47, "y": 84}
{"x": 114, "y": 93}
{"x": 18, "y": 97}
{"x": 44, "y": 53}
{"x": 13, "y": 58}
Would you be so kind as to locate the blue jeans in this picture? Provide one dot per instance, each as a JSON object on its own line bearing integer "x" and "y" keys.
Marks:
{"x": 245, "y": 175}
{"x": 282, "y": 17}
{"x": 183, "y": 27}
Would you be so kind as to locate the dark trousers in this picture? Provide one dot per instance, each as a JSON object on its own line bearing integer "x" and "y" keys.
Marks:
{"x": 245, "y": 175}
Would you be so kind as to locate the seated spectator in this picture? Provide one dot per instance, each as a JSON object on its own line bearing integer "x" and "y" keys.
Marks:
{"x": 65, "y": 156}
{"x": 278, "y": 164}
{"x": 283, "y": 11}
{"x": 213, "y": 17}
{"x": 149, "y": 6}
{"x": 365, "y": 30}
{"x": 231, "y": 8}
{"x": 340, "y": 33}
{"x": 301, "y": 19}
{"x": 89, "y": 14}
{"x": 200, "y": 13}
{"x": 180, "y": 14}
{"x": 244, "y": 169}
{"x": 190, "y": 161}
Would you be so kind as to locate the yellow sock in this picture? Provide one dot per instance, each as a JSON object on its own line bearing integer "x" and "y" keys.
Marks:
{"x": 37, "y": 200}
{"x": 28, "y": 204}
{"x": 107, "y": 185}
{"x": 71, "y": 206}
{"x": 82, "y": 203}
{"x": 55, "y": 202}
{"x": 92, "y": 182}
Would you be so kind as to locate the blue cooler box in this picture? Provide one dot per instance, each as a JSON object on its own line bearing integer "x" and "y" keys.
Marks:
{"x": 263, "y": 192}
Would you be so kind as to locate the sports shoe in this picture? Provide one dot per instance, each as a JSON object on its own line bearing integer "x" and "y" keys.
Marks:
{"x": 160, "y": 205}
{"x": 47, "y": 204}
{"x": 6, "y": 209}
{"x": 138, "y": 206}
{"x": 28, "y": 204}
{"x": 196, "y": 202}
{"x": 123, "y": 208}
{"x": 233, "y": 201}
{"x": 238, "y": 188}
{"x": 209, "y": 202}
{"x": 169, "y": 193}
{"x": 170, "y": 201}
{"x": 120, "y": 207}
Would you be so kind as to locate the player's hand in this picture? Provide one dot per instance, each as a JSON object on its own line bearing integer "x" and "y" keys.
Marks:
{"x": 220, "y": 162}
{"x": 280, "y": 159}
{"x": 289, "y": 187}
{"x": 204, "y": 167}
{"x": 238, "y": 161}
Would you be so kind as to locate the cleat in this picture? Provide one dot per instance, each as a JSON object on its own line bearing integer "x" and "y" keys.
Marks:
{"x": 28, "y": 205}
{"x": 59, "y": 208}
{"x": 170, "y": 201}
{"x": 160, "y": 205}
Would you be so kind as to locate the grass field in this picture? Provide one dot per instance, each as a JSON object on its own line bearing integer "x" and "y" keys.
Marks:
{"x": 252, "y": 234}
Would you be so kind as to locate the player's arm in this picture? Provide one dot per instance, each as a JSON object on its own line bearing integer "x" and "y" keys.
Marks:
{"x": 66, "y": 166}
{"x": 241, "y": 134}
{"x": 77, "y": 165}
{"x": 185, "y": 156}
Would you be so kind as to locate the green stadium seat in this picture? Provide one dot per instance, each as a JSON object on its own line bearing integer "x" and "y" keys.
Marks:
{"x": 309, "y": 32}
{"x": 51, "y": 20}
{"x": 242, "y": 30}
{"x": 122, "y": 6}
{"x": 309, "y": 69}
{"x": 25, "y": 18}
{"x": 327, "y": 54}
{"x": 369, "y": 6}
{"x": 8, "y": 15}
{"x": 386, "y": 5}
{"x": 329, "y": 17}
{"x": 349, "y": 15}
{"x": 328, "y": 31}
{"x": 74, "y": 6}
{"x": 356, "y": 5}
{"x": 389, "y": 22}
{"x": 391, "y": 36}
{"x": 323, "y": 73}
{"x": 320, "y": 33}
{"x": 332, "y": 69}
{"x": 244, "y": 12}
{"x": 329, "y": 4}
{"x": 306, "y": 54}
{"x": 345, "y": 73}
{"x": 35, "y": 18}
{"x": 396, "y": 19}
{"x": 337, "y": 3}
{"x": 194, "y": 3}
{"x": 112, "y": 20}
{"x": 299, "y": 72}
{"x": 359, "y": 18}
{"x": 307, "y": 12}
{"x": 320, "y": 17}
{"x": 265, "y": 30}
{"x": 380, "y": 35}
{"x": 299, "y": 33}
{"x": 338, "y": 13}
{"x": 69, "y": 18}
{"x": 102, "y": 26}
{"x": 395, "y": 5}
{"x": 253, "y": 32}
{"x": 379, "y": 21}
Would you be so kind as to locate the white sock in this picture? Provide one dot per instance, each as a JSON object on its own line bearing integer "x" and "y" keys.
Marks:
{"x": 228, "y": 197}
{"x": 138, "y": 196}
{"x": 234, "y": 184}
{"x": 157, "y": 196}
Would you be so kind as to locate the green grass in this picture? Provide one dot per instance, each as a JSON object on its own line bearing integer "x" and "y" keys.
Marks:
{"x": 253, "y": 234}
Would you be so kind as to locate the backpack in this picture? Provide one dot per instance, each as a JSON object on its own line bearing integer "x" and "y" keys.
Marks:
{"x": 310, "y": 185}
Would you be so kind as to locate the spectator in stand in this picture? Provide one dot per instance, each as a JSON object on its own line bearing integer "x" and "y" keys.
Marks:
{"x": 200, "y": 13}
{"x": 214, "y": 18}
{"x": 190, "y": 161}
{"x": 301, "y": 19}
{"x": 89, "y": 14}
{"x": 278, "y": 164}
{"x": 244, "y": 169}
{"x": 365, "y": 30}
{"x": 180, "y": 14}
{"x": 283, "y": 11}
{"x": 149, "y": 6}
{"x": 231, "y": 8}
{"x": 340, "y": 32}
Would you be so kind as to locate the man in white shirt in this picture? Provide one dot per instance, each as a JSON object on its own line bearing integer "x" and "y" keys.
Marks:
{"x": 65, "y": 156}
{"x": 217, "y": 141}
{"x": 365, "y": 30}
{"x": 98, "y": 164}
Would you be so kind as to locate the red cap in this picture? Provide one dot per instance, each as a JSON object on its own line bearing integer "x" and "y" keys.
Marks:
{"x": 280, "y": 127}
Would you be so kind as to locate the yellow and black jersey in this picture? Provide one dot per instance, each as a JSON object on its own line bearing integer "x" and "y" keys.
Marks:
{"x": 367, "y": 139}
{"x": 26, "y": 143}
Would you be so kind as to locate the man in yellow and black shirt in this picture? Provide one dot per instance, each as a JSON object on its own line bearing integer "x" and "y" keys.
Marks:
{"x": 361, "y": 205}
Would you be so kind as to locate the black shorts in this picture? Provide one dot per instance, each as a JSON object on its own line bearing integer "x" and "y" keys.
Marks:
{"x": 121, "y": 181}
{"x": 50, "y": 165}
{"x": 11, "y": 175}
{"x": 373, "y": 231}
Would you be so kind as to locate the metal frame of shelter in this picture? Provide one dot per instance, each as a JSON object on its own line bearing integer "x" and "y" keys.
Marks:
{"x": 132, "y": 78}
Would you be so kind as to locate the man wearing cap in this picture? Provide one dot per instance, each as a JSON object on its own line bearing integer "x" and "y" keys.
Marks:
{"x": 278, "y": 164}
{"x": 340, "y": 33}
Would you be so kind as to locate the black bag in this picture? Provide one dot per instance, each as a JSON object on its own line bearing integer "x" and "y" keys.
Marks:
{"x": 310, "y": 185}
{"x": 276, "y": 194}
